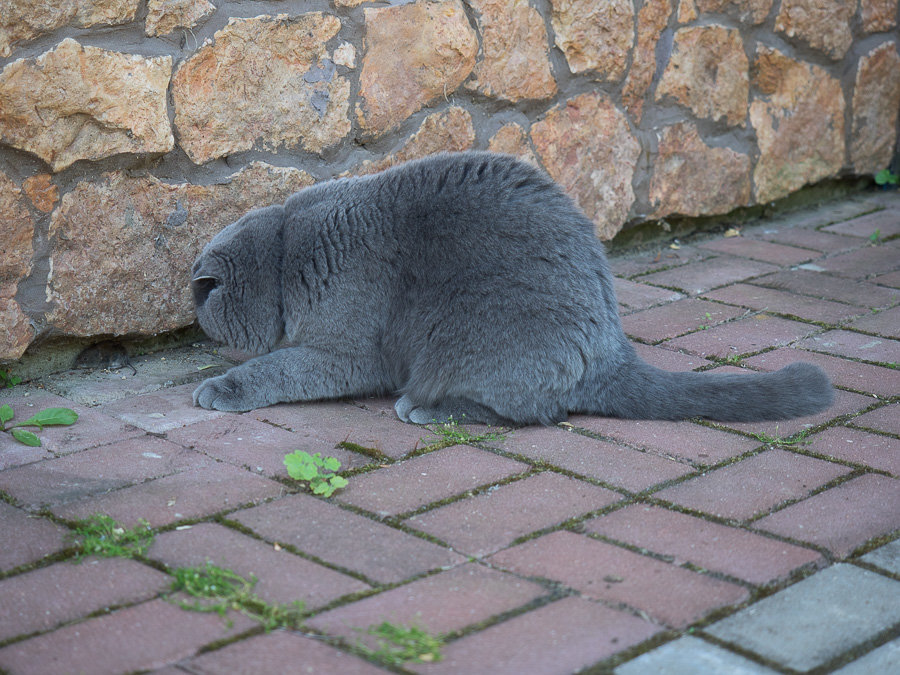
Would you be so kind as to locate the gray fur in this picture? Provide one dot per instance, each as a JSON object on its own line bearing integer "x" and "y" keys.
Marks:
{"x": 470, "y": 283}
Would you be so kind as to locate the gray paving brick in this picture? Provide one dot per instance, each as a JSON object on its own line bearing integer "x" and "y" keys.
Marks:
{"x": 886, "y": 557}
{"x": 885, "y": 659}
{"x": 812, "y": 622}
{"x": 691, "y": 656}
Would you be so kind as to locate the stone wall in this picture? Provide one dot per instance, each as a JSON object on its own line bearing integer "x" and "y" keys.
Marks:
{"x": 131, "y": 131}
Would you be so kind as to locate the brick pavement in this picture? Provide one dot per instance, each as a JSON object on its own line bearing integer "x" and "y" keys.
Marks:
{"x": 627, "y": 546}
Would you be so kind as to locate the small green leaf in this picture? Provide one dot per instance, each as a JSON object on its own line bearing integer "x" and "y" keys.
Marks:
{"x": 51, "y": 417}
{"x": 6, "y": 414}
{"x": 321, "y": 487}
{"x": 300, "y": 466}
{"x": 26, "y": 437}
{"x": 338, "y": 482}
{"x": 332, "y": 463}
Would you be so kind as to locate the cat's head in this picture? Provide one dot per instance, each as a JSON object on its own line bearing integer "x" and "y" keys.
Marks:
{"x": 236, "y": 282}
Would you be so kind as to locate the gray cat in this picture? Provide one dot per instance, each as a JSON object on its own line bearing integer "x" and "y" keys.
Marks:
{"x": 471, "y": 284}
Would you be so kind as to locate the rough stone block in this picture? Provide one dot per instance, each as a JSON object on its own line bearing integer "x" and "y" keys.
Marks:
{"x": 75, "y": 102}
{"x": 268, "y": 79}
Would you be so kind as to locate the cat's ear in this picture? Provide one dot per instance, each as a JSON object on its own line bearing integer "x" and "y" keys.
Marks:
{"x": 201, "y": 287}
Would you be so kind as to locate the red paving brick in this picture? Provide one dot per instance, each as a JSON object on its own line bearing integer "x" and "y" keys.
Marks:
{"x": 96, "y": 471}
{"x": 676, "y": 318}
{"x": 633, "y": 296}
{"x": 765, "y": 251}
{"x": 562, "y": 637}
{"x": 42, "y": 599}
{"x": 744, "y": 336}
{"x": 35, "y": 538}
{"x": 812, "y": 239}
{"x": 413, "y": 483}
{"x": 886, "y": 418}
{"x": 669, "y": 359}
{"x": 718, "y": 548}
{"x": 187, "y": 495}
{"x": 753, "y": 485}
{"x": 163, "y": 410}
{"x": 685, "y": 440}
{"x": 279, "y": 652}
{"x": 783, "y": 302}
{"x": 703, "y": 276}
{"x": 881, "y": 223}
{"x": 440, "y": 603}
{"x": 282, "y": 577}
{"x": 843, "y": 372}
{"x": 864, "y": 262}
{"x": 611, "y": 463}
{"x": 246, "y": 442}
{"x": 659, "y": 257}
{"x": 328, "y": 424}
{"x": 872, "y": 450}
{"x": 346, "y": 539}
{"x": 891, "y": 279}
{"x": 842, "y": 518}
{"x": 854, "y": 345}
{"x": 818, "y": 285}
{"x": 146, "y": 636}
{"x": 886, "y": 323}
{"x": 494, "y": 519}
{"x": 670, "y": 594}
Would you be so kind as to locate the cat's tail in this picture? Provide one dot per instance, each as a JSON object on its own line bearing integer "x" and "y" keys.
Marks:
{"x": 641, "y": 391}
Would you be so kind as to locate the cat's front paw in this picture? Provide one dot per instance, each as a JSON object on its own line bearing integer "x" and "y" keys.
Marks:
{"x": 227, "y": 393}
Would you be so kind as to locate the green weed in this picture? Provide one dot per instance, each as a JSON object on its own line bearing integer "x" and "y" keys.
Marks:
{"x": 451, "y": 431}
{"x": 219, "y": 590}
{"x": 316, "y": 470}
{"x": 791, "y": 441}
{"x": 8, "y": 380}
{"x": 875, "y": 236}
{"x": 398, "y": 644}
{"x": 887, "y": 177}
{"x": 45, "y": 418}
{"x": 102, "y": 536}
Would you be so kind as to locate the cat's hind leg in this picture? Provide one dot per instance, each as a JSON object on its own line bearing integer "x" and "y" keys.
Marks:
{"x": 457, "y": 410}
